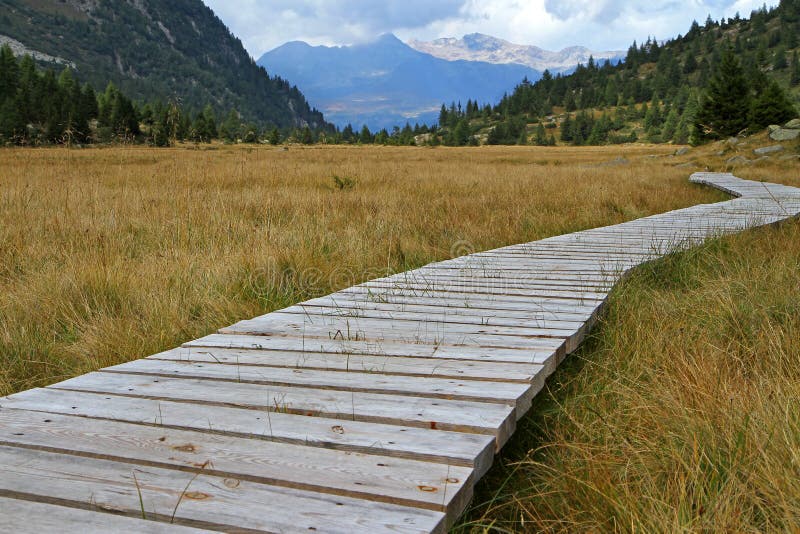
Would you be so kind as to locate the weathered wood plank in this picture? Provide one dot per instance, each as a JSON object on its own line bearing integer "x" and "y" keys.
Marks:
{"x": 510, "y": 393}
{"x": 203, "y": 501}
{"x": 389, "y": 365}
{"x": 435, "y": 315}
{"x": 448, "y": 488}
{"x": 459, "y": 416}
{"x": 391, "y": 328}
{"x": 541, "y": 352}
{"x": 21, "y": 516}
{"x": 455, "y": 448}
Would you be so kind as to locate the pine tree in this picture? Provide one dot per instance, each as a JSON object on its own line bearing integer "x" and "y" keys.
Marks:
{"x": 670, "y": 125}
{"x": 230, "y": 128}
{"x": 794, "y": 70}
{"x": 9, "y": 73}
{"x": 461, "y": 133}
{"x": 275, "y": 136}
{"x": 726, "y": 108}
{"x": 210, "y": 130}
{"x": 541, "y": 135}
{"x": 307, "y": 136}
{"x": 366, "y": 135}
{"x": 779, "y": 62}
{"x": 566, "y": 129}
{"x": 771, "y": 106}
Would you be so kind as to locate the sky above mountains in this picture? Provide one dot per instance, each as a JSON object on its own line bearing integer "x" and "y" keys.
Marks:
{"x": 552, "y": 24}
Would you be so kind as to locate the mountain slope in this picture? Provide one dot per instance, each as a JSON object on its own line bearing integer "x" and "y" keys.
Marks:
{"x": 660, "y": 91}
{"x": 156, "y": 49}
{"x": 480, "y": 47}
{"x": 386, "y": 82}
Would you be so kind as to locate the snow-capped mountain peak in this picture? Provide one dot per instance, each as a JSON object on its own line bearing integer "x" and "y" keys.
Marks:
{"x": 480, "y": 47}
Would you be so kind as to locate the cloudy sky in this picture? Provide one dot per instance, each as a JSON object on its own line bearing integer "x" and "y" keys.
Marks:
{"x": 552, "y": 24}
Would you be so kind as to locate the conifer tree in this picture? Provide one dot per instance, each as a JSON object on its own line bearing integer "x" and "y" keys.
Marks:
{"x": 726, "y": 108}
{"x": 541, "y": 135}
{"x": 275, "y": 136}
{"x": 771, "y": 106}
{"x": 794, "y": 70}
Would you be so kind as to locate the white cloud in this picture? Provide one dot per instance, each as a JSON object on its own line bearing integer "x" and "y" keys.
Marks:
{"x": 553, "y": 24}
{"x": 263, "y": 25}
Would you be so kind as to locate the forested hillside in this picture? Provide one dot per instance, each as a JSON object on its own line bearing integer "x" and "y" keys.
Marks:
{"x": 175, "y": 50}
{"x": 663, "y": 92}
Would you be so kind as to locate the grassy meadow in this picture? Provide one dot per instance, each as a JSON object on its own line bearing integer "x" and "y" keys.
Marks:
{"x": 108, "y": 255}
{"x": 111, "y": 254}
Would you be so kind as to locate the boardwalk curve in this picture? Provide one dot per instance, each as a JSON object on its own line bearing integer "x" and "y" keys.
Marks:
{"x": 374, "y": 409}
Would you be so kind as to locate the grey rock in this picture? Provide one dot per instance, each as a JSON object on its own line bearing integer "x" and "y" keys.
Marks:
{"x": 738, "y": 160}
{"x": 682, "y": 151}
{"x": 789, "y": 157}
{"x": 784, "y": 135}
{"x": 772, "y": 127}
{"x": 687, "y": 165}
{"x": 767, "y": 150}
{"x": 793, "y": 124}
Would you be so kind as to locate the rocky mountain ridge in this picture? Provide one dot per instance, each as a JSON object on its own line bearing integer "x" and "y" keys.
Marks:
{"x": 481, "y": 47}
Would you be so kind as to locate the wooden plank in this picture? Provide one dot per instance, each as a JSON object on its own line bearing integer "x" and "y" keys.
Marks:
{"x": 510, "y": 393}
{"x": 398, "y": 330}
{"x": 203, "y": 501}
{"x": 460, "y": 416}
{"x": 389, "y": 365}
{"x": 541, "y": 352}
{"x": 389, "y": 328}
{"x": 349, "y": 308}
{"x": 511, "y": 279}
{"x": 429, "y": 287}
{"x": 459, "y": 296}
{"x": 20, "y": 516}
{"x": 474, "y": 302}
{"x": 436, "y": 315}
{"x": 448, "y": 488}
{"x": 454, "y": 448}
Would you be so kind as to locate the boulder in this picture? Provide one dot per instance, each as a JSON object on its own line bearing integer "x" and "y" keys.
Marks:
{"x": 682, "y": 151}
{"x": 738, "y": 160}
{"x": 793, "y": 124}
{"x": 784, "y": 134}
{"x": 772, "y": 127}
{"x": 767, "y": 150}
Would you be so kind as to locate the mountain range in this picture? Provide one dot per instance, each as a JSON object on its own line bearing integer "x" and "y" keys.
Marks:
{"x": 480, "y": 47}
{"x": 154, "y": 50}
{"x": 387, "y": 82}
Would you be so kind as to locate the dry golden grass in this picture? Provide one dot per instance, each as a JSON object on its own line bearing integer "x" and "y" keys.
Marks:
{"x": 107, "y": 255}
{"x": 681, "y": 413}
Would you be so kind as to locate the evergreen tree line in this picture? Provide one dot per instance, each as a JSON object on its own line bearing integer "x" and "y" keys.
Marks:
{"x": 669, "y": 91}
{"x": 40, "y": 107}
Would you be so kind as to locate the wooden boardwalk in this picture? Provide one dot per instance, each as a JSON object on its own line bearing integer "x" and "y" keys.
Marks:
{"x": 374, "y": 409}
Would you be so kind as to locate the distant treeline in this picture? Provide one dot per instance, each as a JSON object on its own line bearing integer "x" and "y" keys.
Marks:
{"x": 663, "y": 92}
{"x": 40, "y": 107}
